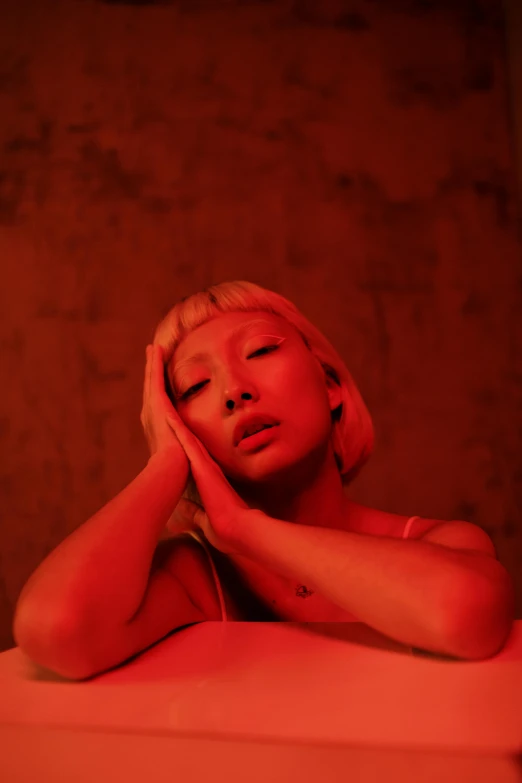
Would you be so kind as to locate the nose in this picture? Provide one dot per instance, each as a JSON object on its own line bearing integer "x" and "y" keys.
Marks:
{"x": 234, "y": 397}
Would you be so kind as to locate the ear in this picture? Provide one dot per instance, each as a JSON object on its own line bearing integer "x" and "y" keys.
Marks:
{"x": 334, "y": 392}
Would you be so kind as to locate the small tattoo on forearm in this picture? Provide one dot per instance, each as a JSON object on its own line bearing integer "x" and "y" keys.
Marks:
{"x": 303, "y": 592}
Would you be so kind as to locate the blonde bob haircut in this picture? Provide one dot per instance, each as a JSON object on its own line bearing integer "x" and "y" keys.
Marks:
{"x": 352, "y": 433}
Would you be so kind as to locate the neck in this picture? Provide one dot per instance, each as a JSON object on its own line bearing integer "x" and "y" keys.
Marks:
{"x": 305, "y": 495}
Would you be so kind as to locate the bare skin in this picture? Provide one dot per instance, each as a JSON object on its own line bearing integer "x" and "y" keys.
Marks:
{"x": 295, "y": 477}
{"x": 77, "y": 620}
{"x": 290, "y": 600}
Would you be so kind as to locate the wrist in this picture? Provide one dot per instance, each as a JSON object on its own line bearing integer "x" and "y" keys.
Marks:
{"x": 169, "y": 457}
{"x": 248, "y": 534}
{"x": 171, "y": 469}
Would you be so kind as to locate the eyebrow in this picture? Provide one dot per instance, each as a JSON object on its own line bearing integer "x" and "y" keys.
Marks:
{"x": 201, "y": 355}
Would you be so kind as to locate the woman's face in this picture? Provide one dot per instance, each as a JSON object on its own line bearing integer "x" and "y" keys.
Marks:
{"x": 262, "y": 357}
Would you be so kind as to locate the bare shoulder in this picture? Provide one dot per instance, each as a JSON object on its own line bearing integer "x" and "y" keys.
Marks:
{"x": 185, "y": 558}
{"x": 375, "y": 522}
{"x": 454, "y": 533}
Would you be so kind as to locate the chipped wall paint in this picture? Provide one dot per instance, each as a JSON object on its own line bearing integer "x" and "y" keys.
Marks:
{"x": 355, "y": 156}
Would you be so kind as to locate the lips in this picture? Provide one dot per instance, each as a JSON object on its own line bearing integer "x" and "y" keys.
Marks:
{"x": 250, "y": 423}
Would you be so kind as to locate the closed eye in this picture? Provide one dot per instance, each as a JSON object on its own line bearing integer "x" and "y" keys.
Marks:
{"x": 267, "y": 348}
{"x": 197, "y": 386}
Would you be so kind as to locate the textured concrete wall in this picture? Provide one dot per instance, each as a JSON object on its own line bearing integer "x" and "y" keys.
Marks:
{"x": 513, "y": 24}
{"x": 354, "y": 156}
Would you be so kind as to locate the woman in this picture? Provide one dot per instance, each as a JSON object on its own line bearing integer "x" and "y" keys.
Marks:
{"x": 243, "y": 392}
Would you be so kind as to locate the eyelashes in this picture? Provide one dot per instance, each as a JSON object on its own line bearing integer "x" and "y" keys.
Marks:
{"x": 193, "y": 389}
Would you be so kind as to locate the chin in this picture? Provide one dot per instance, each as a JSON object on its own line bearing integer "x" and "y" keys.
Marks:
{"x": 287, "y": 472}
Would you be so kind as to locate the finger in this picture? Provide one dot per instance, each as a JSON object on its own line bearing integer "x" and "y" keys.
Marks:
{"x": 146, "y": 379}
{"x": 158, "y": 374}
{"x": 150, "y": 380}
{"x": 192, "y": 446}
{"x": 156, "y": 371}
{"x": 187, "y": 515}
{"x": 180, "y": 431}
{"x": 188, "y": 509}
{"x": 167, "y": 385}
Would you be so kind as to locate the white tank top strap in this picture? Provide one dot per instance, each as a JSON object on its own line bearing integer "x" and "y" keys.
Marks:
{"x": 201, "y": 540}
{"x": 408, "y": 526}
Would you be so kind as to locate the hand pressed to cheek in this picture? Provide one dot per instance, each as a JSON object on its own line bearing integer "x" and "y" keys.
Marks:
{"x": 224, "y": 511}
{"x": 157, "y": 406}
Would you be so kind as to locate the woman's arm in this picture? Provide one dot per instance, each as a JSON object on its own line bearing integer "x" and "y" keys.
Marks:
{"x": 98, "y": 575}
{"x": 422, "y": 594}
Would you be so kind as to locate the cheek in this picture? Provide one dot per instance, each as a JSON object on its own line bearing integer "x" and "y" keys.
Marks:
{"x": 194, "y": 424}
{"x": 198, "y": 426}
{"x": 307, "y": 385}
{"x": 206, "y": 433}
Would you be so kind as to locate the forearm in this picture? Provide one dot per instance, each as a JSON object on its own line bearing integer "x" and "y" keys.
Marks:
{"x": 101, "y": 570}
{"x": 412, "y": 591}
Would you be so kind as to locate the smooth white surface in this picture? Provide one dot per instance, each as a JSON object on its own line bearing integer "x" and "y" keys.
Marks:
{"x": 303, "y": 683}
{"x": 43, "y": 755}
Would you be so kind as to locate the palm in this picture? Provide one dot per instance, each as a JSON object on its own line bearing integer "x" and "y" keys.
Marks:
{"x": 224, "y": 512}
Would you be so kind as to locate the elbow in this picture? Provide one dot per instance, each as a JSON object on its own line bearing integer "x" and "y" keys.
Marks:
{"x": 51, "y": 645}
{"x": 473, "y": 642}
{"x": 481, "y": 626}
